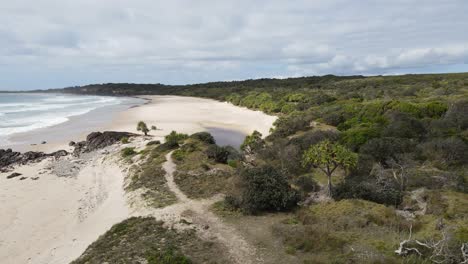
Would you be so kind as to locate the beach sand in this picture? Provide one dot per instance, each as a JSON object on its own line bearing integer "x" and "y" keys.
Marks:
{"x": 53, "y": 219}
{"x": 189, "y": 115}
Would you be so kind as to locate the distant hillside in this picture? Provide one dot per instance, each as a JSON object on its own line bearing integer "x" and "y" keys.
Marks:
{"x": 219, "y": 90}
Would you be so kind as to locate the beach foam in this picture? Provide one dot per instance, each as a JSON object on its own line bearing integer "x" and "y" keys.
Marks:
{"x": 26, "y": 112}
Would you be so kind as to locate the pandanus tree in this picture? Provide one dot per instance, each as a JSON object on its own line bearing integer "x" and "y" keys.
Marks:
{"x": 328, "y": 156}
{"x": 142, "y": 127}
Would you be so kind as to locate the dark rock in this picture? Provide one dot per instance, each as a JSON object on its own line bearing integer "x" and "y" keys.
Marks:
{"x": 59, "y": 153}
{"x": 98, "y": 140}
{"x": 44, "y": 142}
{"x": 72, "y": 143}
{"x": 13, "y": 175}
{"x": 9, "y": 157}
{"x": 35, "y": 178}
{"x": 23, "y": 178}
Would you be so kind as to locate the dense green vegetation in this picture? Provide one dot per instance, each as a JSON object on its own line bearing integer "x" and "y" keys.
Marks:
{"x": 406, "y": 145}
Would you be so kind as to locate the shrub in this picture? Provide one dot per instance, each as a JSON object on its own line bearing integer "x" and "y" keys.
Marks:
{"x": 285, "y": 126}
{"x": 383, "y": 149}
{"x": 402, "y": 125}
{"x": 175, "y": 138}
{"x": 383, "y": 193}
{"x": 217, "y": 153}
{"x": 126, "y": 152}
{"x": 264, "y": 189}
{"x": 445, "y": 152}
{"x": 233, "y": 163}
{"x": 307, "y": 184}
{"x": 355, "y": 137}
{"x": 124, "y": 140}
{"x": 178, "y": 155}
{"x": 154, "y": 142}
{"x": 204, "y": 137}
{"x": 458, "y": 114}
{"x": 253, "y": 143}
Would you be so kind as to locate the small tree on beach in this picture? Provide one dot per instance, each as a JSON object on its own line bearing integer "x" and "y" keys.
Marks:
{"x": 142, "y": 127}
{"x": 154, "y": 128}
{"x": 328, "y": 156}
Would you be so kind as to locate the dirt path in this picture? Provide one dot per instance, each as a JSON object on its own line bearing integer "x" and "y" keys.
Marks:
{"x": 189, "y": 213}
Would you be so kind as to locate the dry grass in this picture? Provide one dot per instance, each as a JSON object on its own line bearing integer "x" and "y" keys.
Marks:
{"x": 149, "y": 179}
{"x": 145, "y": 240}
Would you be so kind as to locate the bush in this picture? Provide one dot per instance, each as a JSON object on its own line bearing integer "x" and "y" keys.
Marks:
{"x": 175, "y": 138}
{"x": 307, "y": 184}
{"x": 355, "y": 137}
{"x": 253, "y": 143}
{"x": 445, "y": 152}
{"x": 126, "y": 152}
{"x": 264, "y": 189}
{"x": 217, "y": 153}
{"x": 154, "y": 142}
{"x": 124, "y": 140}
{"x": 458, "y": 114}
{"x": 383, "y": 193}
{"x": 383, "y": 149}
{"x": 285, "y": 126}
{"x": 402, "y": 125}
{"x": 204, "y": 137}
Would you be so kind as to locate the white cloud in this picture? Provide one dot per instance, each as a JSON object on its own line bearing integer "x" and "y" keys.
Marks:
{"x": 186, "y": 41}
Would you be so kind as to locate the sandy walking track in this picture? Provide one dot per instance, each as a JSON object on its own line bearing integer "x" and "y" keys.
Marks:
{"x": 207, "y": 224}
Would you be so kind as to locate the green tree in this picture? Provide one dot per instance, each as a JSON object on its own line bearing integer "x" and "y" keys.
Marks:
{"x": 328, "y": 156}
{"x": 253, "y": 142}
{"x": 142, "y": 127}
{"x": 263, "y": 189}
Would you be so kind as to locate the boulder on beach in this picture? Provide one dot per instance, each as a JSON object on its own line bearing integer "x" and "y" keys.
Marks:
{"x": 13, "y": 175}
{"x": 98, "y": 140}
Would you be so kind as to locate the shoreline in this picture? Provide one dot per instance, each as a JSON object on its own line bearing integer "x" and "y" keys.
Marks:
{"x": 48, "y": 218}
{"x": 76, "y": 128}
{"x": 167, "y": 112}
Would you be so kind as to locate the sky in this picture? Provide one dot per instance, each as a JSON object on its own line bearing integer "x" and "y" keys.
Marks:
{"x": 61, "y": 43}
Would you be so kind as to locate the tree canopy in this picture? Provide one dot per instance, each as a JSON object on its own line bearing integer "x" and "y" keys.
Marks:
{"x": 328, "y": 156}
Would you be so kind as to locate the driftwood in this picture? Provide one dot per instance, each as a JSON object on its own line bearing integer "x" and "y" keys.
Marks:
{"x": 436, "y": 251}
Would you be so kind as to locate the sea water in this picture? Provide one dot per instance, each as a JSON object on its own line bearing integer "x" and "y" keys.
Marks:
{"x": 24, "y": 112}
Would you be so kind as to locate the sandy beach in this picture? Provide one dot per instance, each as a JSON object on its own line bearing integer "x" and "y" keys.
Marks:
{"x": 167, "y": 113}
{"x": 51, "y": 217}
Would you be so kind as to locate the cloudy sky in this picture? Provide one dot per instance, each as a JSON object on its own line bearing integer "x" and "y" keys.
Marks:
{"x": 51, "y": 44}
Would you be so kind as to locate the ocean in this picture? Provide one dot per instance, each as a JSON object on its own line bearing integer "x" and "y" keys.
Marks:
{"x": 23, "y": 112}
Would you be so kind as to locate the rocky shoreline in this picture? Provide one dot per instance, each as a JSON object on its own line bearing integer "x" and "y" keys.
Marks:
{"x": 94, "y": 141}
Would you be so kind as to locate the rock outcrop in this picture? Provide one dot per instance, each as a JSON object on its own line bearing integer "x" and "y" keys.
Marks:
{"x": 9, "y": 157}
{"x": 98, "y": 140}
